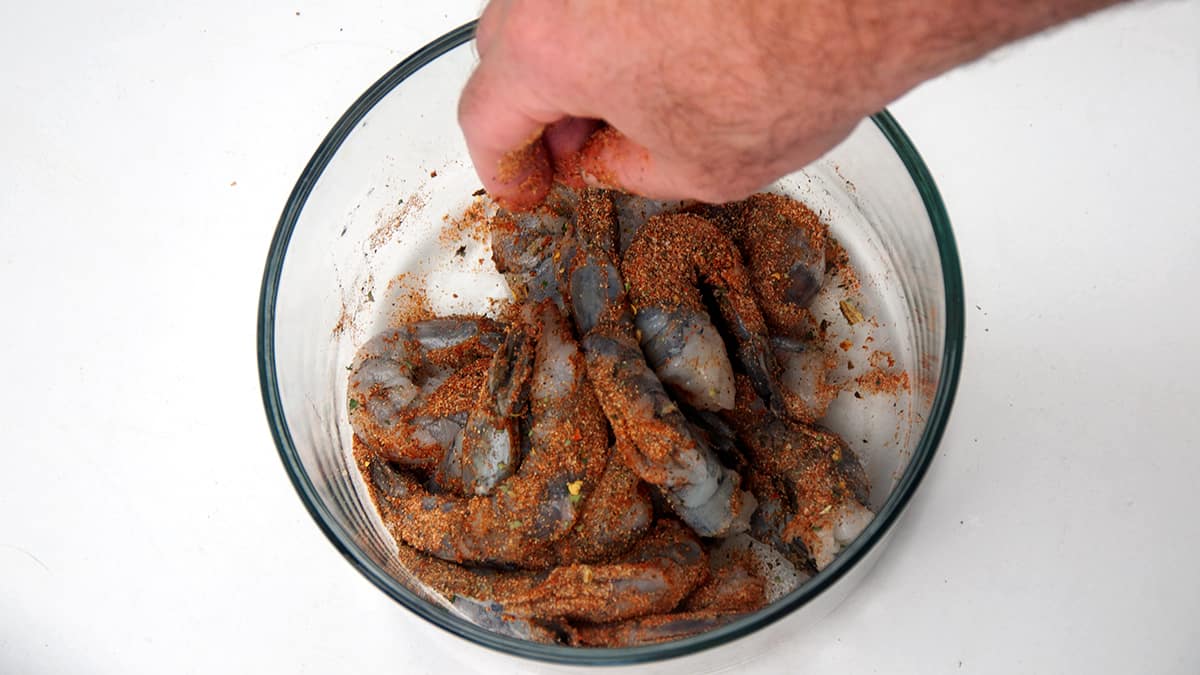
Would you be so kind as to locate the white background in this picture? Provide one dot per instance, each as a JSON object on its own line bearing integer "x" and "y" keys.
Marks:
{"x": 146, "y": 524}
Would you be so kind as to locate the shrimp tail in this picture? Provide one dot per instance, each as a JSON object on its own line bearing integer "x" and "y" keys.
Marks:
{"x": 490, "y": 441}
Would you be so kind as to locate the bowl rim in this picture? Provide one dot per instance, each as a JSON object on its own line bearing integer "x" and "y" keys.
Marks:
{"x": 901, "y": 494}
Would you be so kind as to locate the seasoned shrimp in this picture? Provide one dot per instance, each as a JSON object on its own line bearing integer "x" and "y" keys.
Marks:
{"x": 733, "y": 585}
{"x": 587, "y": 254}
{"x": 473, "y": 592}
{"x": 395, "y": 373}
{"x": 665, "y": 567}
{"x": 660, "y": 571}
{"x": 524, "y": 246}
{"x": 490, "y": 441}
{"x": 819, "y": 491}
{"x": 655, "y": 438}
{"x": 732, "y": 589}
{"x": 771, "y": 519}
{"x": 611, "y": 519}
{"x": 633, "y": 211}
{"x": 805, "y": 367}
{"x": 650, "y": 629}
{"x": 491, "y": 615}
{"x": 537, "y": 504}
{"x": 669, "y": 259}
{"x": 660, "y": 445}
{"x": 783, "y": 244}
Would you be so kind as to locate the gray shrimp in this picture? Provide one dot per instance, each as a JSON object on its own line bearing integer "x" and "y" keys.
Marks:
{"x": 657, "y": 442}
{"x": 526, "y": 246}
{"x": 804, "y": 368}
{"x": 666, "y": 566}
{"x": 488, "y": 447}
{"x": 770, "y": 520}
{"x": 538, "y": 503}
{"x": 492, "y": 615}
{"x": 661, "y": 570}
{"x": 612, "y": 518}
{"x": 671, "y": 257}
{"x": 650, "y": 629}
{"x": 632, "y": 211}
{"x": 819, "y": 491}
{"x": 734, "y": 588}
{"x": 783, "y": 244}
{"x": 396, "y": 371}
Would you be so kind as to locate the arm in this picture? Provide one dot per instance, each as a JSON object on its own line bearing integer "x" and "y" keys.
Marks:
{"x": 712, "y": 99}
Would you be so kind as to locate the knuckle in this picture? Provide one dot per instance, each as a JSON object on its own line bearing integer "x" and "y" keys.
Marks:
{"x": 467, "y": 103}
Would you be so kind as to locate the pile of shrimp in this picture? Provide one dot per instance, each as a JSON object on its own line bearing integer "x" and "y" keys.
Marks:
{"x": 626, "y": 452}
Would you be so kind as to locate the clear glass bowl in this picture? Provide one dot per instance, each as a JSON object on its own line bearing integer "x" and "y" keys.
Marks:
{"x": 368, "y": 207}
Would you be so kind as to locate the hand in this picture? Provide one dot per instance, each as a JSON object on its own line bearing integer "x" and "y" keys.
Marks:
{"x": 703, "y": 99}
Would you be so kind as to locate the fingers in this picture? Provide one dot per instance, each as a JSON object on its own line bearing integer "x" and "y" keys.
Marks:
{"x": 505, "y": 141}
{"x": 564, "y": 140}
{"x": 612, "y": 160}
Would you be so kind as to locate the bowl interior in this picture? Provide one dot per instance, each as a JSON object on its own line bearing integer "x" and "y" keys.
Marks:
{"x": 364, "y": 230}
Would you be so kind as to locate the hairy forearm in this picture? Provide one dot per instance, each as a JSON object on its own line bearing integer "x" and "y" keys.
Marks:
{"x": 711, "y": 98}
{"x": 879, "y": 49}
{"x": 914, "y": 40}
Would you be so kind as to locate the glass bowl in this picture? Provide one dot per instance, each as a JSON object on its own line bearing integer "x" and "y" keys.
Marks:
{"x": 369, "y": 207}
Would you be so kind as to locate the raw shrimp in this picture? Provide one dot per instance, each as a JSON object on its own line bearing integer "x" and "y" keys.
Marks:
{"x": 819, "y": 491}
{"x": 395, "y": 373}
{"x": 783, "y": 244}
{"x": 524, "y": 246}
{"x": 585, "y": 263}
{"x": 733, "y": 586}
{"x": 805, "y": 366}
{"x": 656, "y": 440}
{"x": 650, "y": 629}
{"x": 633, "y": 211}
{"x": 491, "y": 615}
{"x": 660, "y": 571}
{"x": 669, "y": 259}
{"x": 472, "y": 592}
{"x": 538, "y": 503}
{"x": 611, "y": 519}
{"x": 772, "y": 516}
{"x": 660, "y": 445}
{"x": 665, "y": 566}
{"x": 490, "y": 440}
{"x": 733, "y": 589}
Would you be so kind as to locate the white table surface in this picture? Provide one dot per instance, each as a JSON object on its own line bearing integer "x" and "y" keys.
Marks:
{"x": 146, "y": 524}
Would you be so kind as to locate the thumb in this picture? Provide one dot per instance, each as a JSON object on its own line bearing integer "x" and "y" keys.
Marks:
{"x": 612, "y": 160}
{"x": 505, "y": 141}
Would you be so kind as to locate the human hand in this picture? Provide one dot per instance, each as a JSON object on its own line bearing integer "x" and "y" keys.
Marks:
{"x": 703, "y": 99}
